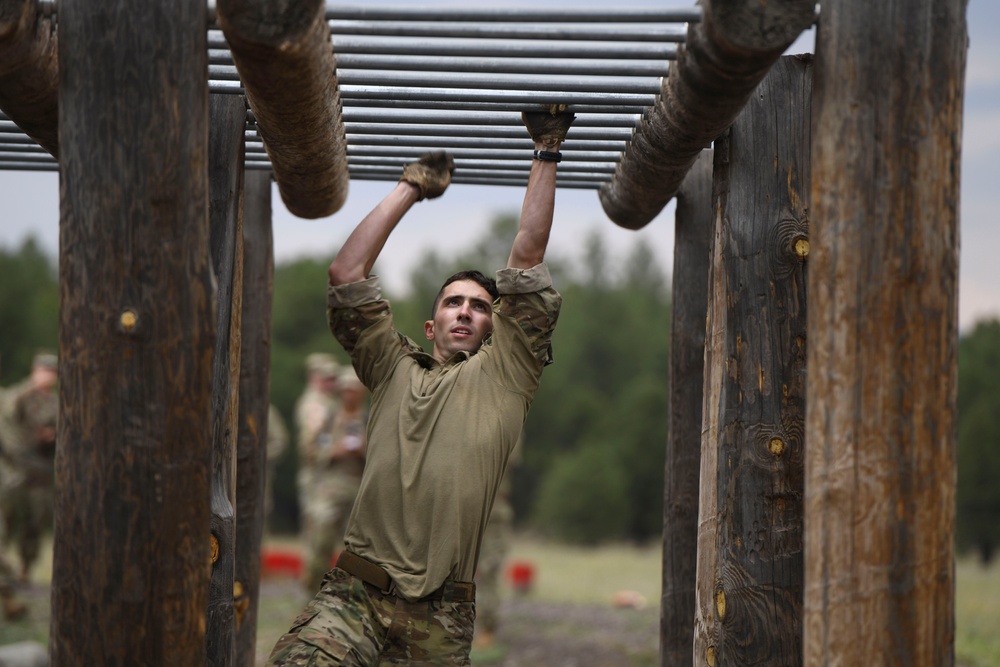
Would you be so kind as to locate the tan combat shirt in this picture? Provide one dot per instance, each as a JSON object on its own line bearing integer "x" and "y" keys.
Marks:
{"x": 439, "y": 436}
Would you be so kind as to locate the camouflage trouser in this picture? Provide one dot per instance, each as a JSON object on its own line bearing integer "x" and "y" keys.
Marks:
{"x": 352, "y": 623}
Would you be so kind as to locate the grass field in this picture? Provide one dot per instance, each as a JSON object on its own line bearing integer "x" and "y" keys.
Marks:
{"x": 593, "y": 577}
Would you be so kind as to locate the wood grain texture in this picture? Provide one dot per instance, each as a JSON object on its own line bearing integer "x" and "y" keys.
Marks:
{"x": 29, "y": 71}
{"x": 225, "y": 178}
{"x": 880, "y": 480}
{"x": 692, "y": 237}
{"x": 751, "y": 585}
{"x": 725, "y": 56}
{"x": 255, "y": 367}
{"x": 283, "y": 54}
{"x": 136, "y": 336}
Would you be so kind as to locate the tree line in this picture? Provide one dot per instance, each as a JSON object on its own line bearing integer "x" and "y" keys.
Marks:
{"x": 592, "y": 464}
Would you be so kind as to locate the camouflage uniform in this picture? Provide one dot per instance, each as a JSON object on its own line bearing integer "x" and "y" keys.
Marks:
{"x": 335, "y": 486}
{"x": 27, "y": 424}
{"x": 314, "y": 415}
{"x": 438, "y": 441}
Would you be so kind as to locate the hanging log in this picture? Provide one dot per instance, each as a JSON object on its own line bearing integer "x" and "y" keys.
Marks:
{"x": 136, "y": 336}
{"x": 225, "y": 180}
{"x": 692, "y": 236}
{"x": 724, "y": 58}
{"x": 283, "y": 54}
{"x": 29, "y": 71}
{"x": 883, "y": 333}
{"x": 251, "y": 448}
{"x": 751, "y": 582}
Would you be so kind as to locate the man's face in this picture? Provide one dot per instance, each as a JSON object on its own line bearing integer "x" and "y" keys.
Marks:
{"x": 463, "y": 318}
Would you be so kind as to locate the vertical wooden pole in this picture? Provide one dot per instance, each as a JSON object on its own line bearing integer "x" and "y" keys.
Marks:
{"x": 136, "y": 336}
{"x": 751, "y": 585}
{"x": 225, "y": 180}
{"x": 692, "y": 237}
{"x": 251, "y": 451}
{"x": 883, "y": 333}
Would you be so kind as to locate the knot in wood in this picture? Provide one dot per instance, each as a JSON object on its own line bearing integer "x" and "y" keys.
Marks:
{"x": 710, "y": 656}
{"x": 777, "y": 446}
{"x": 720, "y": 604}
{"x": 215, "y": 549}
{"x": 128, "y": 320}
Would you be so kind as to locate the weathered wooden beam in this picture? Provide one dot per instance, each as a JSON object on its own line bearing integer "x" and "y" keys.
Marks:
{"x": 726, "y": 55}
{"x": 136, "y": 335}
{"x": 29, "y": 71}
{"x": 692, "y": 237}
{"x": 225, "y": 184}
{"x": 255, "y": 375}
{"x": 761, "y": 192}
{"x": 283, "y": 54}
{"x": 883, "y": 333}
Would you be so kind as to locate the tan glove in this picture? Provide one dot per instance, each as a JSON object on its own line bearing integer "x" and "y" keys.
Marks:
{"x": 548, "y": 127}
{"x": 431, "y": 174}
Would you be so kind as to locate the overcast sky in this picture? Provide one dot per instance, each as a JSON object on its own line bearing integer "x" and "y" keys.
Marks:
{"x": 30, "y": 200}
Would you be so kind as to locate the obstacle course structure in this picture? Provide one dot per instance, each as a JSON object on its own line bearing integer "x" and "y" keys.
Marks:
{"x": 809, "y": 505}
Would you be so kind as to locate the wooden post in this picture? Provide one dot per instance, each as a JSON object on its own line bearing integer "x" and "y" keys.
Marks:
{"x": 692, "y": 236}
{"x": 29, "y": 71}
{"x": 750, "y": 588}
{"x": 883, "y": 333}
{"x": 225, "y": 180}
{"x": 136, "y": 336}
{"x": 251, "y": 449}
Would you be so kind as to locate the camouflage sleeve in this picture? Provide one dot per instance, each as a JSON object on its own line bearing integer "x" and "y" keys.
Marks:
{"x": 527, "y": 296}
{"x": 354, "y": 307}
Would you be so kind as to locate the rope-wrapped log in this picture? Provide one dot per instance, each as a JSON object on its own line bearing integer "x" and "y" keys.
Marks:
{"x": 29, "y": 71}
{"x": 284, "y": 57}
{"x": 726, "y": 55}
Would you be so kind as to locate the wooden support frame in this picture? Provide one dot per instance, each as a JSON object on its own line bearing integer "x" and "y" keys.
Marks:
{"x": 749, "y": 586}
{"x": 726, "y": 55}
{"x": 283, "y": 55}
{"x": 883, "y": 334}
{"x": 136, "y": 334}
{"x": 29, "y": 71}
{"x": 692, "y": 240}
{"x": 225, "y": 177}
{"x": 251, "y": 449}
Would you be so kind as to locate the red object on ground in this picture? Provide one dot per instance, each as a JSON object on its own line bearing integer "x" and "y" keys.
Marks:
{"x": 276, "y": 562}
{"x": 521, "y": 575}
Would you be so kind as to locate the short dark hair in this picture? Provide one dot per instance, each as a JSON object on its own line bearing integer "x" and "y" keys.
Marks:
{"x": 488, "y": 284}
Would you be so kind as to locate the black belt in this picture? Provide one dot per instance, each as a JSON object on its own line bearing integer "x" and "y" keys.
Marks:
{"x": 370, "y": 573}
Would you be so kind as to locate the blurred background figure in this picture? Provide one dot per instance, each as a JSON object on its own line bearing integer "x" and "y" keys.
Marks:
{"x": 28, "y": 414}
{"x": 496, "y": 544}
{"x": 337, "y": 477}
{"x": 277, "y": 443}
{"x": 314, "y": 414}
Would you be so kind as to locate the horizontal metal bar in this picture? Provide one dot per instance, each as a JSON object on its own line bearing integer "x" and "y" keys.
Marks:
{"x": 660, "y": 33}
{"x": 504, "y": 82}
{"x": 486, "y": 153}
{"x": 512, "y": 14}
{"x": 493, "y": 165}
{"x": 23, "y": 156}
{"x": 491, "y": 131}
{"x": 524, "y": 143}
{"x": 499, "y": 49}
{"x": 474, "y": 48}
{"x": 9, "y": 127}
{"x": 483, "y": 118}
{"x": 461, "y": 170}
{"x": 627, "y": 68}
{"x": 509, "y": 181}
{"x": 29, "y": 166}
{"x": 497, "y": 105}
{"x": 25, "y": 144}
{"x": 520, "y": 97}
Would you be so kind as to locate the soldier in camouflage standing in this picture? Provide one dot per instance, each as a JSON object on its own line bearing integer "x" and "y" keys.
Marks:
{"x": 28, "y": 432}
{"x": 314, "y": 415}
{"x": 12, "y": 607}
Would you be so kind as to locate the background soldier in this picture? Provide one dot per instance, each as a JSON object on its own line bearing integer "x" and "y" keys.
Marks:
{"x": 28, "y": 428}
{"x": 314, "y": 415}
